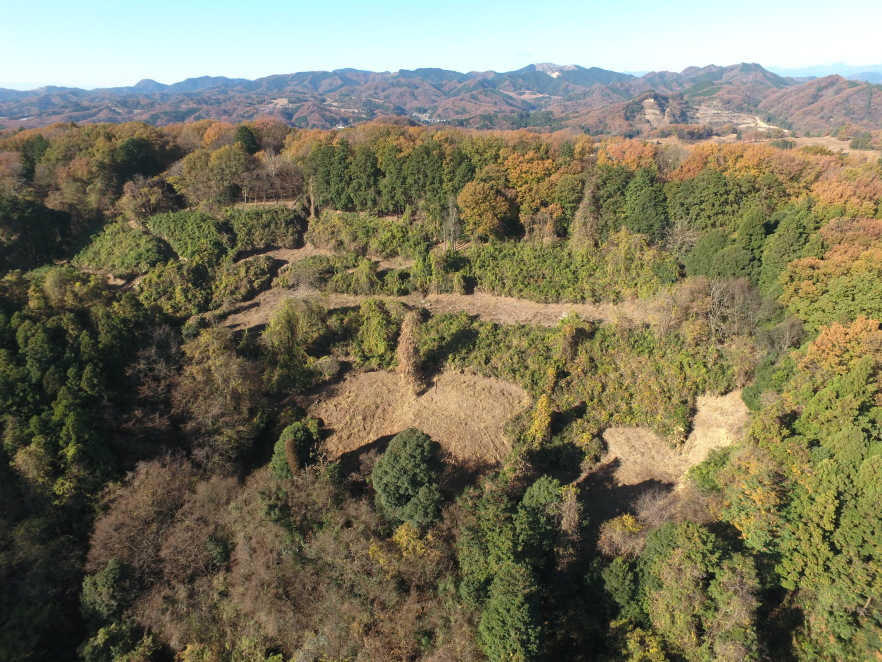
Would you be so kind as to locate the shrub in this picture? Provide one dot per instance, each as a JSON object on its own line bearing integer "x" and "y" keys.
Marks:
{"x": 192, "y": 234}
{"x": 297, "y": 325}
{"x": 240, "y": 281}
{"x": 121, "y": 251}
{"x": 367, "y": 235}
{"x": 315, "y": 272}
{"x": 296, "y": 448}
{"x": 177, "y": 288}
{"x": 106, "y": 593}
{"x": 532, "y": 271}
{"x": 258, "y": 229}
{"x": 375, "y": 341}
{"x": 705, "y": 474}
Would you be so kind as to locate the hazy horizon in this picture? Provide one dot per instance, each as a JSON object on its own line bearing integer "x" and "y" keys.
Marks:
{"x": 821, "y": 70}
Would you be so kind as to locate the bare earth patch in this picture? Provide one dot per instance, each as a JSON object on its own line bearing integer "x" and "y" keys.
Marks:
{"x": 465, "y": 413}
{"x": 639, "y": 455}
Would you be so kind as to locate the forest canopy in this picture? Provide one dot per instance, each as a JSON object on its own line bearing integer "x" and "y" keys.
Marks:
{"x": 176, "y": 303}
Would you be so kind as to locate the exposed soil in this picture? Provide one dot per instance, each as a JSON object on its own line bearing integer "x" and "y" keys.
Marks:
{"x": 465, "y": 413}
{"x": 641, "y": 455}
{"x": 638, "y": 462}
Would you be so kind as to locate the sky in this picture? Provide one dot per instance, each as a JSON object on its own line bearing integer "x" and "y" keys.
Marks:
{"x": 116, "y": 43}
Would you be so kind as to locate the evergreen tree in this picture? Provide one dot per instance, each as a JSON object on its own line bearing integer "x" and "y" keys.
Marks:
{"x": 340, "y": 176}
{"x": 510, "y": 629}
{"x": 751, "y": 238}
{"x": 536, "y": 520}
{"x": 645, "y": 208}
{"x": 405, "y": 479}
{"x": 364, "y": 179}
{"x": 794, "y": 224}
{"x": 245, "y": 137}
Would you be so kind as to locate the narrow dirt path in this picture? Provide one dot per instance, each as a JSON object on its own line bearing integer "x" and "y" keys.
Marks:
{"x": 489, "y": 307}
{"x": 486, "y": 306}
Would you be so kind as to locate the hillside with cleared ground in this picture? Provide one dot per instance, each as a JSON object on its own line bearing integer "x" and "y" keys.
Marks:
{"x": 465, "y": 413}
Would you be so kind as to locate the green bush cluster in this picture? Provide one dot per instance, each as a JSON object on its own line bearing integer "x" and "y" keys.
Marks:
{"x": 238, "y": 281}
{"x": 122, "y": 251}
{"x": 622, "y": 267}
{"x": 375, "y": 340}
{"x": 265, "y": 227}
{"x": 296, "y": 448}
{"x": 179, "y": 289}
{"x": 616, "y": 375}
{"x": 192, "y": 234}
{"x": 533, "y": 271}
{"x": 350, "y": 232}
{"x": 405, "y": 479}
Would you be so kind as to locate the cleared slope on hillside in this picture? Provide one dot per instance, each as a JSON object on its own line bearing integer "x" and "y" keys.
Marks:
{"x": 465, "y": 413}
{"x": 641, "y": 455}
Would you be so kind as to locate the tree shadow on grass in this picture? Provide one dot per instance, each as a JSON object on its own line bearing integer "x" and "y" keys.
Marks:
{"x": 603, "y": 498}
{"x": 458, "y": 475}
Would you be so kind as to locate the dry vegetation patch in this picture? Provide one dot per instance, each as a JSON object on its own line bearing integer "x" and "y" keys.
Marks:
{"x": 639, "y": 455}
{"x": 640, "y": 470}
{"x": 465, "y": 413}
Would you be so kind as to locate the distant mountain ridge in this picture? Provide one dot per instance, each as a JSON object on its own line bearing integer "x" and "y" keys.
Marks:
{"x": 544, "y": 95}
{"x": 852, "y": 72}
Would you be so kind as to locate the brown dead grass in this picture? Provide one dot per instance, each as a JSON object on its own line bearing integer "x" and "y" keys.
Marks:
{"x": 465, "y": 413}
{"x": 836, "y": 145}
{"x": 289, "y": 255}
{"x": 639, "y": 455}
{"x": 719, "y": 422}
{"x": 641, "y": 473}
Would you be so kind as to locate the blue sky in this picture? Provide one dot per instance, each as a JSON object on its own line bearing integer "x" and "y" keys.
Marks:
{"x": 104, "y": 43}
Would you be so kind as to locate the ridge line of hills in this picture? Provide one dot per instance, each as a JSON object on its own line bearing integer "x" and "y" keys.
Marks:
{"x": 545, "y": 96}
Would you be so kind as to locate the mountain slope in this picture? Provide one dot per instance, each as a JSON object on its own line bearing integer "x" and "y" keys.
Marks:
{"x": 828, "y": 102}
{"x": 590, "y": 98}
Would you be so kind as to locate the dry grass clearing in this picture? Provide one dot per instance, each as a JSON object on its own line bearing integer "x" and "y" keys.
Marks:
{"x": 638, "y": 455}
{"x": 465, "y": 413}
{"x": 641, "y": 468}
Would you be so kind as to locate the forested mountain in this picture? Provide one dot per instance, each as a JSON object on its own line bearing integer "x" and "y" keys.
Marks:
{"x": 402, "y": 392}
{"x": 542, "y": 95}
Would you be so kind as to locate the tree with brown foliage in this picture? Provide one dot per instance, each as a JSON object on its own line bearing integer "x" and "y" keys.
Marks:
{"x": 408, "y": 354}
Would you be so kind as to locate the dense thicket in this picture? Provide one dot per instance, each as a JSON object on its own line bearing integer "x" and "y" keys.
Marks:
{"x": 165, "y": 494}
